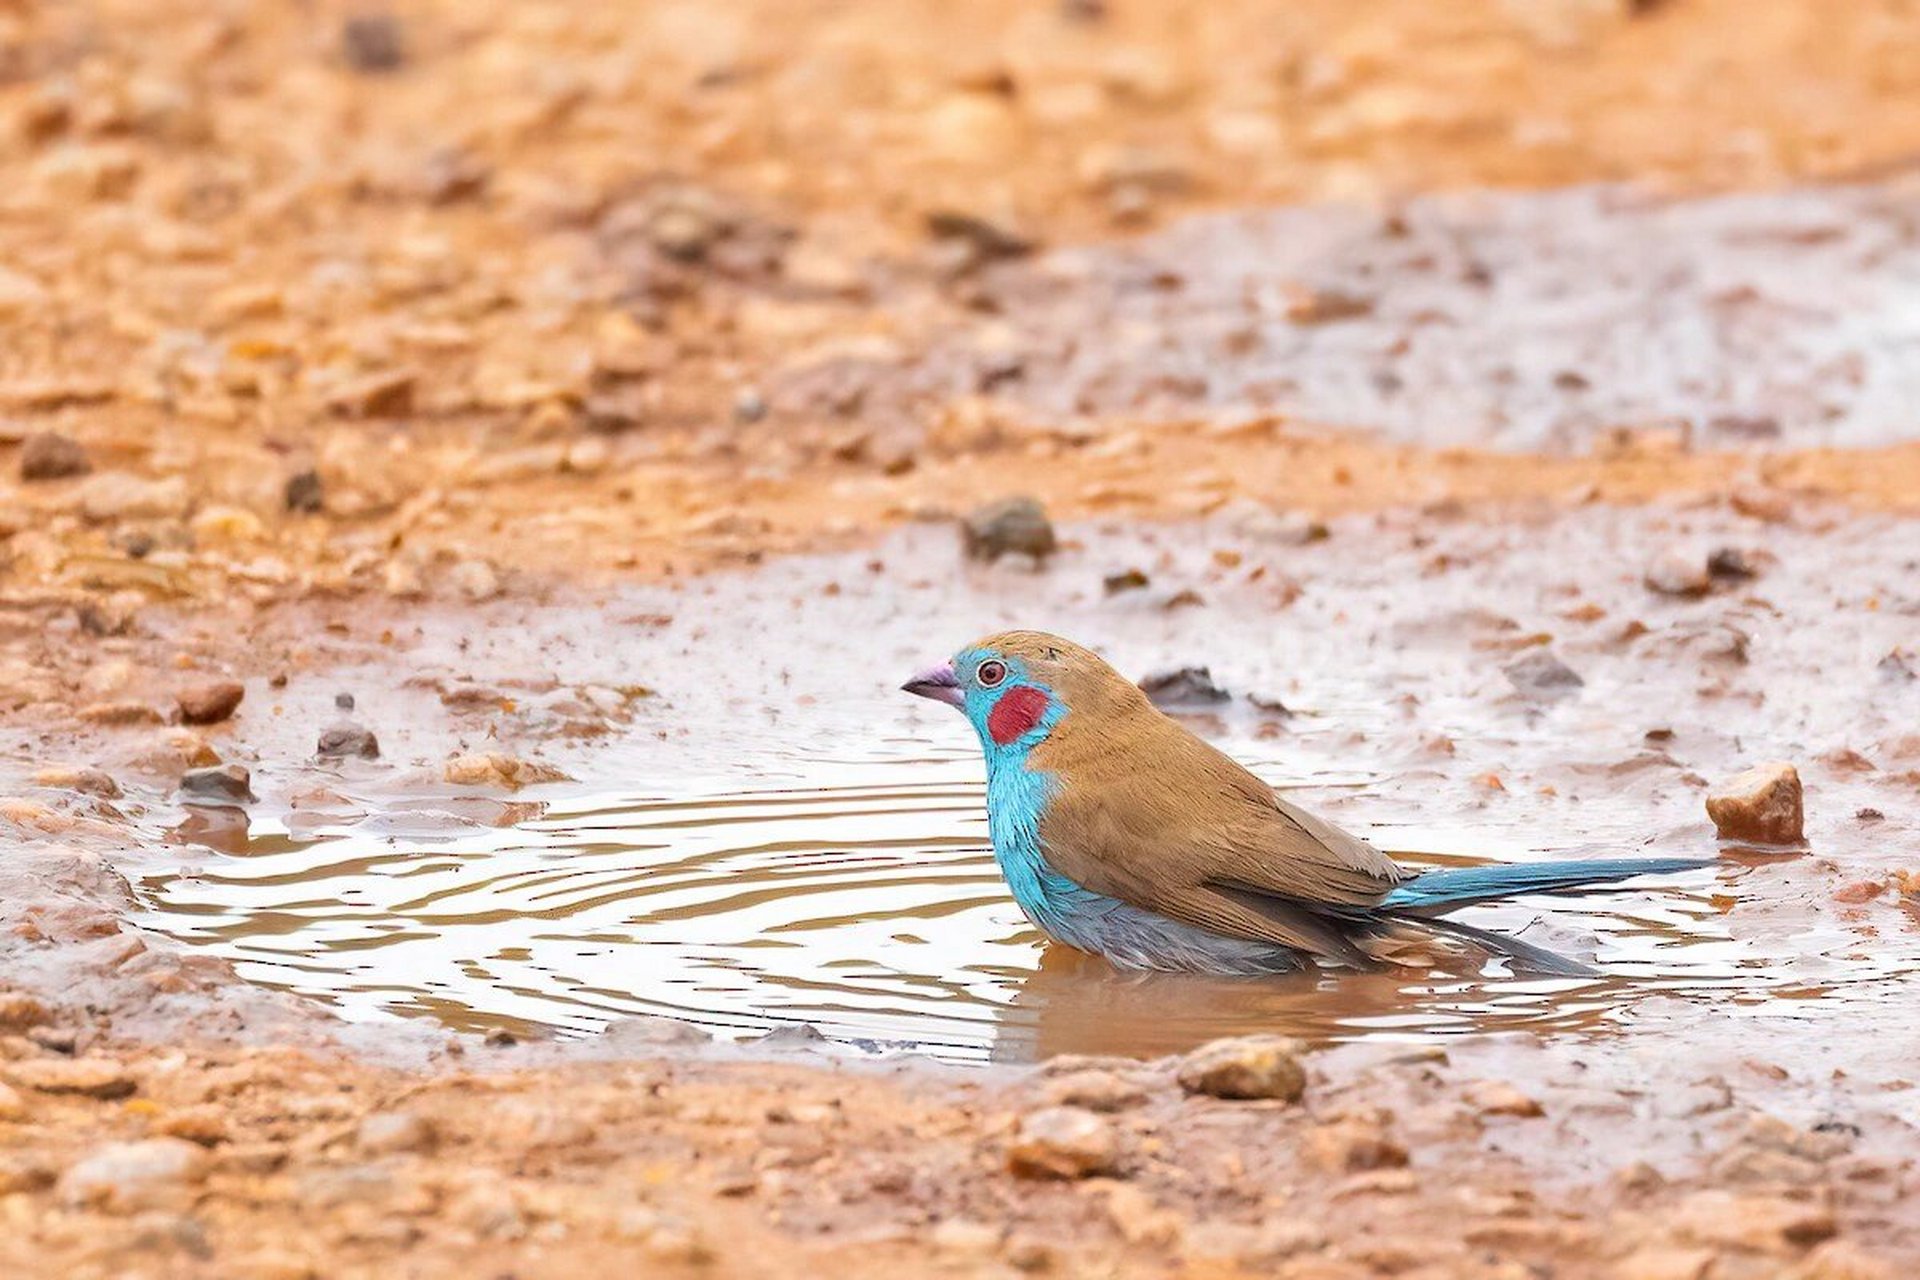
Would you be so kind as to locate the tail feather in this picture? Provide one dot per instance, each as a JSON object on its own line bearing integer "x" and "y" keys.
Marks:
{"x": 1445, "y": 888}
{"x": 1526, "y": 957}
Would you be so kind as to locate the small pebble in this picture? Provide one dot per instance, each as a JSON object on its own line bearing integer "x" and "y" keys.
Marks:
{"x": 373, "y": 43}
{"x": 1678, "y": 574}
{"x": 1498, "y": 1098}
{"x": 396, "y": 1132}
{"x": 95, "y": 782}
{"x": 304, "y": 492}
{"x": 1762, "y": 805}
{"x": 475, "y": 580}
{"x": 1064, "y": 1142}
{"x": 220, "y": 784}
{"x": 210, "y": 703}
{"x": 1732, "y": 563}
{"x": 1245, "y": 1068}
{"x": 347, "y": 739}
{"x": 1012, "y": 526}
{"x": 205, "y": 1125}
{"x": 495, "y": 770}
{"x": 48, "y": 456}
{"x": 1539, "y": 673}
{"x": 1353, "y": 1144}
{"x": 1184, "y": 687}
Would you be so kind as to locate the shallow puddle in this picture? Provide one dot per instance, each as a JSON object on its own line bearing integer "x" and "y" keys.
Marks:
{"x": 865, "y": 903}
{"x": 783, "y": 837}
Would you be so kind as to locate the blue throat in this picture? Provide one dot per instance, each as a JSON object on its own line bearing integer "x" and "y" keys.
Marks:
{"x": 1017, "y": 794}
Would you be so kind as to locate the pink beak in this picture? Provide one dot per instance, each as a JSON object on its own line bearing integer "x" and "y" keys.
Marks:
{"x": 940, "y": 683}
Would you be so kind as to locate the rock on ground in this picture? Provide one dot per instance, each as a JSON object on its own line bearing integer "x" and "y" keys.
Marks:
{"x": 1353, "y": 1144}
{"x": 1245, "y": 1068}
{"x": 96, "y": 782}
{"x": 47, "y": 456}
{"x": 1762, "y": 805}
{"x": 339, "y": 741}
{"x": 1095, "y": 1090}
{"x": 1064, "y": 1142}
{"x": 394, "y": 1132}
{"x": 210, "y": 703}
{"x": 491, "y": 769}
{"x": 1498, "y": 1098}
{"x": 1184, "y": 687}
{"x": 646, "y": 1031}
{"x": 1539, "y": 673}
{"x": 1678, "y": 574}
{"x": 1012, "y": 526}
{"x": 119, "y": 714}
{"x": 305, "y": 492}
{"x": 221, "y": 784}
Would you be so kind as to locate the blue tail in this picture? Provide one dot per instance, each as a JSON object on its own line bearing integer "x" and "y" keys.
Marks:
{"x": 1444, "y": 888}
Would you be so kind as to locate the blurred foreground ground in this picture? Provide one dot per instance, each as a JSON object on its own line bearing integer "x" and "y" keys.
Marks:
{"x": 315, "y": 313}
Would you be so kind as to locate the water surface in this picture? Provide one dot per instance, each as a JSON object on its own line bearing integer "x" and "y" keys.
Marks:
{"x": 862, "y": 899}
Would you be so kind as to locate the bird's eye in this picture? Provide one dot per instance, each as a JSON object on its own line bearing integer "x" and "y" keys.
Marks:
{"x": 990, "y": 673}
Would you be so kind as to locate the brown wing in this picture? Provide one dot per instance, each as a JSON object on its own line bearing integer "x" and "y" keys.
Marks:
{"x": 1162, "y": 820}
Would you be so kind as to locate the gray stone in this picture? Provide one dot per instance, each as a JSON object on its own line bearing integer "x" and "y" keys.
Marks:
{"x": 347, "y": 739}
{"x": 1184, "y": 687}
{"x": 221, "y": 784}
{"x": 1012, "y": 526}
{"x": 1539, "y": 673}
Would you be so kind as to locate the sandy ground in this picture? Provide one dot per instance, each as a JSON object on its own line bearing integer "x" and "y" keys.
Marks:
{"x": 322, "y": 317}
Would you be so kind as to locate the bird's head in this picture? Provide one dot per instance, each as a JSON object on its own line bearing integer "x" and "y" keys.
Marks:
{"x": 1018, "y": 688}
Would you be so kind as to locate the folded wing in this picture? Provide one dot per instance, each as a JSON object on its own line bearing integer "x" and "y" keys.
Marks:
{"x": 1202, "y": 840}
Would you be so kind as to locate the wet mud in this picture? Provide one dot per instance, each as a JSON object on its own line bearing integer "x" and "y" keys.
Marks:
{"x": 801, "y": 844}
{"x": 1555, "y": 321}
{"x": 1373, "y": 673}
{"x": 1503, "y": 402}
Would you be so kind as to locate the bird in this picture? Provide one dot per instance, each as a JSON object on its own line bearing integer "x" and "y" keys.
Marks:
{"x": 1122, "y": 833}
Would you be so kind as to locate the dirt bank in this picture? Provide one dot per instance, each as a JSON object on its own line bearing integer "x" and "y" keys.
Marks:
{"x": 441, "y": 356}
{"x": 1742, "y": 1151}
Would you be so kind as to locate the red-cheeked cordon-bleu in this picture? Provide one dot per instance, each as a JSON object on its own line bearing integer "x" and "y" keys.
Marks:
{"x": 1122, "y": 833}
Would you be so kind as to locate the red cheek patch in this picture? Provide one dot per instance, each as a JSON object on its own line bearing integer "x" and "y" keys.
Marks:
{"x": 1014, "y": 716}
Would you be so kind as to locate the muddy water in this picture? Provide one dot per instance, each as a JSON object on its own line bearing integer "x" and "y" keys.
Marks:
{"x": 785, "y": 838}
{"x": 865, "y": 903}
{"x": 1520, "y": 321}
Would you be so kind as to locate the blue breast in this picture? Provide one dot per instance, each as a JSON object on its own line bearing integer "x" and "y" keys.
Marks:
{"x": 1129, "y": 936}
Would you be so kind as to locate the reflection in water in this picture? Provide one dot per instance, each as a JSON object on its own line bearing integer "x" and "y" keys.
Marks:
{"x": 1073, "y": 1003}
{"x": 218, "y": 827}
{"x": 869, "y": 907}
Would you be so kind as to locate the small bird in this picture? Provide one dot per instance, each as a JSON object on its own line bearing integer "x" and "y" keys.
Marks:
{"x": 1123, "y": 834}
